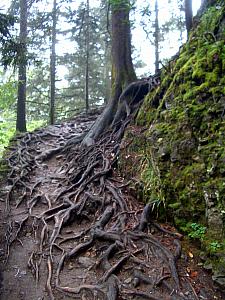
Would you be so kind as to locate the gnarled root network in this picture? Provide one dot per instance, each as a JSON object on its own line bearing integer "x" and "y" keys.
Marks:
{"x": 84, "y": 219}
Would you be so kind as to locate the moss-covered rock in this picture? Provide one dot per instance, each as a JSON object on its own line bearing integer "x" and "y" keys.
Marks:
{"x": 180, "y": 157}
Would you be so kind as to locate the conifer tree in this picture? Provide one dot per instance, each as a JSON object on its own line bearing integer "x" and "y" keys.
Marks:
{"x": 53, "y": 63}
{"x": 122, "y": 67}
{"x": 22, "y": 76}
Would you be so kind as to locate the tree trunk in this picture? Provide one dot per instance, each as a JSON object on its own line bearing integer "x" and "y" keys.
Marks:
{"x": 122, "y": 67}
{"x": 105, "y": 21}
{"x": 53, "y": 64}
{"x": 87, "y": 57}
{"x": 21, "y": 102}
{"x": 188, "y": 15}
{"x": 107, "y": 70}
{"x": 156, "y": 37}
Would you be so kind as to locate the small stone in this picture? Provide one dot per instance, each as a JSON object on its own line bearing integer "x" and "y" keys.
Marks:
{"x": 70, "y": 266}
{"x": 196, "y": 158}
{"x": 203, "y": 256}
{"x": 207, "y": 266}
{"x": 219, "y": 279}
{"x": 128, "y": 280}
{"x": 23, "y": 273}
{"x": 54, "y": 181}
{"x": 86, "y": 261}
{"x": 59, "y": 157}
{"x": 136, "y": 282}
{"x": 6, "y": 188}
{"x": 15, "y": 267}
{"x": 203, "y": 294}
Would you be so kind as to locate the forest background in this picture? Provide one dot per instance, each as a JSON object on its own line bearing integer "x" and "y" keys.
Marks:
{"x": 74, "y": 36}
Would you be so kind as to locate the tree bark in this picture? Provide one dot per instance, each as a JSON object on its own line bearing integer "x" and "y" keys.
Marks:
{"x": 156, "y": 37}
{"x": 122, "y": 67}
{"x": 53, "y": 64}
{"x": 188, "y": 15}
{"x": 87, "y": 57}
{"x": 22, "y": 78}
{"x": 107, "y": 69}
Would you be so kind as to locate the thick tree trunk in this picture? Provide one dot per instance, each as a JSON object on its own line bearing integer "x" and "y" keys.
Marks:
{"x": 122, "y": 67}
{"x": 107, "y": 69}
{"x": 21, "y": 102}
{"x": 188, "y": 15}
{"x": 53, "y": 65}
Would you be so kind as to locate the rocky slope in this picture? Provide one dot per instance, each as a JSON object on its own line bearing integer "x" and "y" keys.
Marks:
{"x": 178, "y": 142}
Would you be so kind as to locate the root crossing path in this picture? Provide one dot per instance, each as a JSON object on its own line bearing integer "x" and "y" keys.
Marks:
{"x": 71, "y": 229}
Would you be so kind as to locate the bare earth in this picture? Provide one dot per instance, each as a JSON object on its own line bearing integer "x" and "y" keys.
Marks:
{"x": 71, "y": 229}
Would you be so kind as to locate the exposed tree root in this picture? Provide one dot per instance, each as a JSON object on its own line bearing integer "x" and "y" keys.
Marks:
{"x": 88, "y": 216}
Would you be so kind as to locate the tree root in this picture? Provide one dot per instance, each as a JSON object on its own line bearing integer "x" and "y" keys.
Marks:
{"x": 102, "y": 221}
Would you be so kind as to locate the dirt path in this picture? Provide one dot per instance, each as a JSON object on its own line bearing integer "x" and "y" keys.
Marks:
{"x": 71, "y": 229}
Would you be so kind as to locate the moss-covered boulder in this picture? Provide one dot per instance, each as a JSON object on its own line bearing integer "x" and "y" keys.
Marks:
{"x": 179, "y": 155}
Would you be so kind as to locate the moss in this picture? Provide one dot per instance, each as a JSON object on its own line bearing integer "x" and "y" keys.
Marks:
{"x": 3, "y": 169}
{"x": 181, "y": 155}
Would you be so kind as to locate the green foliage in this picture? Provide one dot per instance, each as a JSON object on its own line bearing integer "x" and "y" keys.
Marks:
{"x": 8, "y": 92}
{"x": 10, "y": 47}
{"x": 6, "y": 22}
{"x": 118, "y": 4}
{"x": 71, "y": 98}
{"x": 32, "y": 125}
{"x": 184, "y": 116}
{"x": 152, "y": 191}
{"x": 196, "y": 231}
{"x": 7, "y": 130}
{"x": 184, "y": 141}
{"x": 214, "y": 246}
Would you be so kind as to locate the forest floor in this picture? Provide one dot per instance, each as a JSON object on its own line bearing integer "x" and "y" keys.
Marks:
{"x": 71, "y": 228}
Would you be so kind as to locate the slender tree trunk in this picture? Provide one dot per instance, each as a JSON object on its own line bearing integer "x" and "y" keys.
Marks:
{"x": 122, "y": 67}
{"x": 87, "y": 56}
{"x": 21, "y": 102}
{"x": 188, "y": 15}
{"x": 53, "y": 64}
{"x": 156, "y": 36}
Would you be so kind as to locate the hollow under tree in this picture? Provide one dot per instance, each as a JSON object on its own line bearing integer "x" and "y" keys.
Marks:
{"x": 122, "y": 67}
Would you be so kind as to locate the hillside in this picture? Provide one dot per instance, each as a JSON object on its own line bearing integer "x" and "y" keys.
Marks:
{"x": 125, "y": 203}
{"x": 178, "y": 141}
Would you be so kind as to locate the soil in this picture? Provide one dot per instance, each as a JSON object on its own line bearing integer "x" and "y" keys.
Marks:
{"x": 71, "y": 228}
